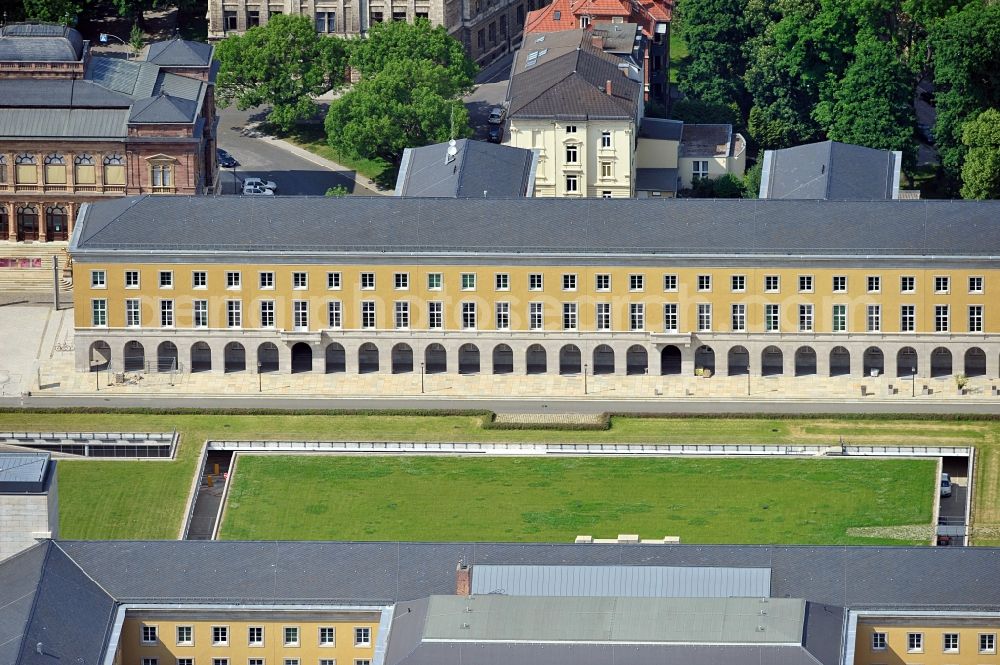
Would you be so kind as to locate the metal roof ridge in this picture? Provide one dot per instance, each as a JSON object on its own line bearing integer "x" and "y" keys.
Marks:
{"x": 48, "y": 544}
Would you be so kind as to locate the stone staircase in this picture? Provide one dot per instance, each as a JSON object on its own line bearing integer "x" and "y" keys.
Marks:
{"x": 18, "y": 280}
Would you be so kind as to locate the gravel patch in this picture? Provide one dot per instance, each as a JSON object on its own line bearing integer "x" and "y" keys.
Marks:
{"x": 901, "y": 532}
{"x": 549, "y": 419}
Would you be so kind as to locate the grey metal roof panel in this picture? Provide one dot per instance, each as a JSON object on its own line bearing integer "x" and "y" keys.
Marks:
{"x": 179, "y": 53}
{"x": 831, "y": 170}
{"x": 589, "y": 226}
{"x": 23, "y": 467}
{"x": 661, "y": 128}
{"x": 479, "y": 169}
{"x": 163, "y": 109}
{"x": 656, "y": 180}
{"x": 40, "y": 42}
{"x": 20, "y": 576}
{"x": 632, "y": 581}
{"x": 59, "y": 93}
{"x": 63, "y": 123}
{"x": 183, "y": 87}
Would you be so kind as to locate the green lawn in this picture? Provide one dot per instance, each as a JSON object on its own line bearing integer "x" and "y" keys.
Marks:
{"x": 312, "y": 137}
{"x": 678, "y": 55}
{"x": 146, "y": 499}
{"x": 545, "y": 499}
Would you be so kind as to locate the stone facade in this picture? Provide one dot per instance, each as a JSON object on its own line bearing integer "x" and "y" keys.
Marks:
{"x": 27, "y": 518}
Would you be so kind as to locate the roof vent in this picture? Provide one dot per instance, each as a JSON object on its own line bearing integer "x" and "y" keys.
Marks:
{"x": 466, "y": 626}
{"x": 760, "y": 629}
{"x": 540, "y": 39}
{"x": 557, "y": 15}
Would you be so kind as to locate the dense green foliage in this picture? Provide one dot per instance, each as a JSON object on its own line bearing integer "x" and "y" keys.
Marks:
{"x": 981, "y": 170}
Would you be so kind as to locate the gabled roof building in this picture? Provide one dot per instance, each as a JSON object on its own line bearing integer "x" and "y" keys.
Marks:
{"x": 831, "y": 171}
{"x": 465, "y": 168}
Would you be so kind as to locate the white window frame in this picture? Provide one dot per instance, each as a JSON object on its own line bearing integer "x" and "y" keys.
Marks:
{"x": 501, "y": 281}
{"x": 942, "y": 284}
{"x": 806, "y": 284}
{"x": 772, "y": 283}
{"x": 990, "y": 641}
{"x": 129, "y": 282}
{"x": 536, "y": 281}
{"x": 976, "y": 285}
{"x": 704, "y": 317}
{"x": 670, "y": 283}
{"x": 199, "y": 313}
{"x": 168, "y": 315}
{"x": 806, "y": 317}
{"x": 362, "y": 636}
{"x": 772, "y": 318}
{"x": 976, "y": 318}
{"x": 300, "y": 315}
{"x": 502, "y": 315}
{"x": 907, "y": 284}
{"x": 536, "y": 316}
{"x": 369, "y": 316}
{"x": 873, "y": 283}
{"x": 572, "y": 184}
{"x": 367, "y": 281}
{"x": 224, "y": 629}
{"x": 907, "y": 318}
{"x": 839, "y": 318}
{"x": 606, "y": 140}
{"x": 190, "y": 634}
{"x": 234, "y": 280}
{"x": 401, "y": 314}
{"x": 947, "y": 638}
{"x": 332, "y": 642}
{"x": 942, "y": 318}
{"x": 738, "y": 317}
{"x": 879, "y": 641}
{"x": 636, "y": 316}
{"x": 285, "y": 631}
{"x": 636, "y": 282}
{"x": 250, "y": 641}
{"x": 334, "y": 281}
{"x": 266, "y": 311}
{"x": 166, "y": 279}
{"x": 914, "y": 643}
{"x": 199, "y": 280}
{"x": 873, "y": 318}
{"x": 606, "y": 279}
{"x": 671, "y": 315}
{"x": 149, "y": 627}
{"x": 435, "y": 280}
{"x": 602, "y": 316}
{"x": 468, "y": 281}
{"x": 300, "y": 280}
{"x": 133, "y": 313}
{"x": 570, "y": 313}
{"x": 738, "y": 283}
{"x": 334, "y": 314}
{"x": 435, "y": 315}
{"x": 704, "y": 283}
{"x": 98, "y": 279}
{"x": 569, "y": 281}
{"x": 265, "y": 280}
{"x": 234, "y": 314}
{"x": 839, "y": 284}
{"x": 401, "y": 281}
{"x": 470, "y": 319}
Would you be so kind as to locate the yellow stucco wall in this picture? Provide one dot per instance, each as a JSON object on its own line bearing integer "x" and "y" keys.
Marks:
{"x": 933, "y": 651}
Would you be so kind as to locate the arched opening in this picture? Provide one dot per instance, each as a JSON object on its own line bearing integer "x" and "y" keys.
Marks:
{"x": 234, "y": 358}
{"x": 166, "y": 357}
{"x": 100, "y": 356}
{"x": 873, "y": 361}
{"x": 402, "y": 359}
{"x": 670, "y": 360}
{"x": 940, "y": 362}
{"x": 739, "y": 361}
{"x": 56, "y": 227}
{"x": 570, "y": 359}
{"x": 27, "y": 223}
{"x": 302, "y": 358}
{"x": 468, "y": 359}
{"x": 503, "y": 359}
{"x": 604, "y": 359}
{"x": 636, "y": 360}
{"x": 975, "y": 362}
{"x": 704, "y": 357}
{"x": 336, "y": 358}
{"x": 805, "y": 361}
{"x": 535, "y": 360}
{"x": 201, "y": 357}
{"x": 267, "y": 357}
{"x": 435, "y": 359}
{"x": 367, "y": 358}
{"x": 840, "y": 361}
{"x": 134, "y": 357}
{"x": 906, "y": 362}
{"x": 772, "y": 362}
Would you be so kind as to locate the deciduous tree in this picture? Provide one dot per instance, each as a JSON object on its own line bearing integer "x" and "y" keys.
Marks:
{"x": 981, "y": 170}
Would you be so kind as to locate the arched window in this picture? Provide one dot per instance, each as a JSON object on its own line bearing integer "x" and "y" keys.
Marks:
{"x": 55, "y": 169}
{"x": 26, "y": 169}
{"x": 114, "y": 170}
{"x": 85, "y": 170}
{"x": 3, "y": 169}
{"x": 55, "y": 223}
{"x": 4, "y": 223}
{"x": 27, "y": 223}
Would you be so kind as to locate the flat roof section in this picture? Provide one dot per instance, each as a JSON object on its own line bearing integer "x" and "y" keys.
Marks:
{"x": 22, "y": 473}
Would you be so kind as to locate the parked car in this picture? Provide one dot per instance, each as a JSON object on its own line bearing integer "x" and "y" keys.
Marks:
{"x": 226, "y": 160}
{"x": 495, "y": 134}
{"x": 945, "y": 484}
{"x": 496, "y": 115}
{"x": 257, "y": 182}
{"x": 254, "y": 190}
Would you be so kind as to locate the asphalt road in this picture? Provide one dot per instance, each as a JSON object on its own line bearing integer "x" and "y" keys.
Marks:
{"x": 294, "y": 175}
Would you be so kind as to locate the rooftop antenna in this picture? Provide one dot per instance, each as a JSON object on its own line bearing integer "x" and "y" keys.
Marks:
{"x": 452, "y": 151}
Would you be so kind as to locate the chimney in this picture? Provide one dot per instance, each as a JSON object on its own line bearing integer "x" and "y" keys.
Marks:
{"x": 607, "y": 87}
{"x": 597, "y": 41}
{"x": 463, "y": 579}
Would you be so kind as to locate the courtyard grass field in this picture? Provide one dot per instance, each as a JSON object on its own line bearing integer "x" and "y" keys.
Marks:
{"x": 732, "y": 500}
{"x": 125, "y": 499}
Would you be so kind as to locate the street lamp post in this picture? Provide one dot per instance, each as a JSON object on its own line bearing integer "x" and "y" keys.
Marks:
{"x": 260, "y": 381}
{"x": 104, "y": 40}
{"x": 748, "y": 376}
{"x": 913, "y": 382}
{"x": 421, "y": 378}
{"x": 584, "y": 378}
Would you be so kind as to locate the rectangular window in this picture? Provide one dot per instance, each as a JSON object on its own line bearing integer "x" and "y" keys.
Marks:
{"x": 255, "y": 661}
{"x": 133, "y": 316}
{"x": 874, "y": 284}
{"x": 914, "y": 642}
{"x": 772, "y": 319}
{"x": 255, "y": 636}
{"x": 636, "y": 282}
{"x": 131, "y": 279}
{"x": 739, "y": 319}
{"x": 265, "y": 280}
{"x": 98, "y": 279}
{"x": 333, "y": 280}
{"x": 468, "y": 316}
{"x": 535, "y": 320}
{"x": 606, "y": 139}
{"x": 535, "y": 282}
{"x": 185, "y": 636}
{"x": 233, "y": 279}
{"x": 670, "y": 317}
{"x": 941, "y": 323}
{"x": 367, "y": 281}
{"x": 942, "y": 284}
{"x": 326, "y": 22}
{"x": 401, "y": 281}
{"x": 907, "y": 318}
{"x": 234, "y": 313}
{"x": 435, "y": 315}
{"x": 266, "y": 314}
{"x": 300, "y": 314}
{"x": 607, "y": 170}
{"x": 362, "y": 637}
{"x": 874, "y": 318}
{"x": 571, "y": 129}
{"x": 772, "y": 283}
{"x": 166, "y": 279}
{"x": 362, "y": 661}
{"x": 699, "y": 169}
{"x": 502, "y": 281}
{"x": 951, "y": 642}
{"x": 300, "y": 280}
{"x": 149, "y": 661}
{"x": 220, "y": 636}
{"x": 805, "y": 283}
{"x": 200, "y": 309}
{"x": 636, "y": 316}
{"x": 569, "y": 282}
{"x": 189, "y": 661}
{"x": 738, "y": 283}
{"x": 602, "y": 282}
{"x": 334, "y": 314}
{"x": 571, "y": 183}
{"x": 878, "y": 641}
{"x": 572, "y": 154}
{"x": 704, "y": 317}
{"x": 434, "y": 281}
{"x": 603, "y": 316}
{"x": 327, "y": 636}
{"x": 975, "y": 318}
{"x": 975, "y": 284}
{"x": 367, "y": 313}
{"x": 987, "y": 643}
{"x": 291, "y": 661}
{"x": 327, "y": 661}
{"x": 704, "y": 282}
{"x": 468, "y": 281}
{"x": 402, "y": 314}
{"x": 220, "y": 661}
{"x": 670, "y": 282}
{"x": 503, "y": 316}
{"x": 840, "y": 318}
{"x": 907, "y": 284}
{"x": 805, "y": 318}
{"x": 840, "y": 284}
{"x": 569, "y": 316}
{"x": 291, "y": 636}
{"x": 199, "y": 279}
{"x": 167, "y": 313}
{"x": 149, "y": 634}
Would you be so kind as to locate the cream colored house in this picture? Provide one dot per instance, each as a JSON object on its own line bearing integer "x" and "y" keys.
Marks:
{"x": 580, "y": 108}
{"x": 710, "y": 151}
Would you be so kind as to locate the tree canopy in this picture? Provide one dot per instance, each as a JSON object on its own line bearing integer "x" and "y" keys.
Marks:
{"x": 282, "y": 64}
{"x": 981, "y": 170}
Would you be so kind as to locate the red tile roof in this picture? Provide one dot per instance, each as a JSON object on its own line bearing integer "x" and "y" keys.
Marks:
{"x": 643, "y": 12}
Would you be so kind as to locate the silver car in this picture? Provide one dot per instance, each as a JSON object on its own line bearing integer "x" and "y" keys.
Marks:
{"x": 496, "y": 115}
{"x": 945, "y": 484}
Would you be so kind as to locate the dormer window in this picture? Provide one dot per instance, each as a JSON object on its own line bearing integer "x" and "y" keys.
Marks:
{"x": 584, "y": 22}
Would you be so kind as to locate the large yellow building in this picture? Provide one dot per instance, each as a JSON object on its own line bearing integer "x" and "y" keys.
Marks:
{"x": 539, "y": 286}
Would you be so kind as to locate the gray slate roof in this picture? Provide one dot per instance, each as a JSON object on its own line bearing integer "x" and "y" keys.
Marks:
{"x": 83, "y": 123}
{"x": 656, "y": 180}
{"x": 830, "y": 170}
{"x": 705, "y": 140}
{"x": 677, "y": 227}
{"x": 40, "y": 42}
{"x": 661, "y": 128}
{"x": 479, "y": 167}
{"x": 163, "y": 109}
{"x": 59, "y": 93}
{"x": 179, "y": 53}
